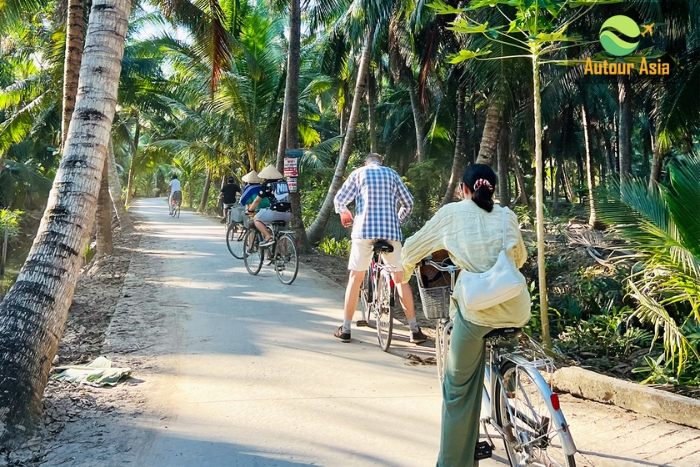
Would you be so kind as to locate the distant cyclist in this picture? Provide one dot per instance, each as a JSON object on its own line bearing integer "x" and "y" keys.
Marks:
{"x": 175, "y": 193}
{"x": 228, "y": 195}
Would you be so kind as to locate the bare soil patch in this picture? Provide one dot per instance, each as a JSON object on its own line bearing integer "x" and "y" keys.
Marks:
{"x": 86, "y": 410}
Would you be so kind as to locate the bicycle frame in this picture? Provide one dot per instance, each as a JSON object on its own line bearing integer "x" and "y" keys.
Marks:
{"x": 375, "y": 268}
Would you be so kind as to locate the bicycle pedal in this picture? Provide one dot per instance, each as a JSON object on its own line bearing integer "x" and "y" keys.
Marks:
{"x": 362, "y": 323}
{"x": 483, "y": 451}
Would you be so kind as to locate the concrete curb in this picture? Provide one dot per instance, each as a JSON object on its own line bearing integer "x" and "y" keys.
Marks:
{"x": 631, "y": 396}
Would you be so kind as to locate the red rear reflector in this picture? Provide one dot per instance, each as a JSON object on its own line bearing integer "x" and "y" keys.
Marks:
{"x": 391, "y": 283}
{"x": 554, "y": 398}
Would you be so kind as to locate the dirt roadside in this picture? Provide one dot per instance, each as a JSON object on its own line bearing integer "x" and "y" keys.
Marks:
{"x": 76, "y": 418}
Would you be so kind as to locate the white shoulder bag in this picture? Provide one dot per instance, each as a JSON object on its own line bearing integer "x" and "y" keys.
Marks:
{"x": 493, "y": 287}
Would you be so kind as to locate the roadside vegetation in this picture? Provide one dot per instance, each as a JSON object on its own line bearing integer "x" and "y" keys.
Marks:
{"x": 213, "y": 89}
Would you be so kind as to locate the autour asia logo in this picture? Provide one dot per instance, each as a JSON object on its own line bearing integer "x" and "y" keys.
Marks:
{"x": 620, "y": 36}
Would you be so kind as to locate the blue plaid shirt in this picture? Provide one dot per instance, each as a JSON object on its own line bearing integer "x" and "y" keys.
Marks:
{"x": 377, "y": 191}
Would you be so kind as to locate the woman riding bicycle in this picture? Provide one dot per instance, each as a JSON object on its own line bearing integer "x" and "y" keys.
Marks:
{"x": 472, "y": 233}
{"x": 275, "y": 190}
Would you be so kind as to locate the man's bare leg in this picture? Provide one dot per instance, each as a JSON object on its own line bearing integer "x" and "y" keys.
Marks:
{"x": 409, "y": 308}
{"x": 352, "y": 294}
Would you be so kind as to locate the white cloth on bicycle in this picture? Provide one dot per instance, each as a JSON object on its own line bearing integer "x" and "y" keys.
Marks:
{"x": 361, "y": 255}
{"x": 174, "y": 185}
{"x": 473, "y": 238}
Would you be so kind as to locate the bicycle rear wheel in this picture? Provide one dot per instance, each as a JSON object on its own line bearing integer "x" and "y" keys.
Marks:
{"x": 383, "y": 311}
{"x": 530, "y": 436}
{"x": 287, "y": 263}
{"x": 253, "y": 255}
{"x": 234, "y": 239}
{"x": 177, "y": 210}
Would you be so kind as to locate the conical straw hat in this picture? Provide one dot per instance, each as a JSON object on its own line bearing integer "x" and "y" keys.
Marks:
{"x": 270, "y": 173}
{"x": 251, "y": 177}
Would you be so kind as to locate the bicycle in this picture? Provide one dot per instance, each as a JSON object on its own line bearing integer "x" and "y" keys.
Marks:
{"x": 235, "y": 230}
{"x": 376, "y": 294}
{"x": 283, "y": 253}
{"x": 175, "y": 208}
{"x": 517, "y": 401}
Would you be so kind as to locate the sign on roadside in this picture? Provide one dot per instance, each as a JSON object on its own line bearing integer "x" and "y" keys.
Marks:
{"x": 290, "y": 167}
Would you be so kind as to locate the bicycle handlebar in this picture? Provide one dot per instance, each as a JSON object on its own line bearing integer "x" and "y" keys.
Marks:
{"x": 439, "y": 266}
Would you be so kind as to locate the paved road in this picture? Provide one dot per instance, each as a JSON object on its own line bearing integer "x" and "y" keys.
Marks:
{"x": 247, "y": 373}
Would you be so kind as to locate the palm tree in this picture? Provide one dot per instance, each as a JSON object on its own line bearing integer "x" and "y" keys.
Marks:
{"x": 71, "y": 67}
{"x": 33, "y": 313}
{"x": 661, "y": 226}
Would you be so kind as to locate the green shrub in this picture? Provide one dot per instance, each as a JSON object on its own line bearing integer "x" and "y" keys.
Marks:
{"x": 9, "y": 220}
{"x": 331, "y": 246}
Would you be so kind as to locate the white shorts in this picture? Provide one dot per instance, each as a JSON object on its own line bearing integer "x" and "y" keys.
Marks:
{"x": 361, "y": 255}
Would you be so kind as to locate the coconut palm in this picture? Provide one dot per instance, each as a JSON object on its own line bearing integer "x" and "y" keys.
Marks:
{"x": 34, "y": 311}
{"x": 661, "y": 226}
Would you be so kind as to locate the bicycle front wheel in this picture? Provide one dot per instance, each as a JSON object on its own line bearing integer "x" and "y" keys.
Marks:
{"x": 531, "y": 436}
{"x": 234, "y": 239}
{"x": 287, "y": 264}
{"x": 443, "y": 335}
{"x": 253, "y": 255}
{"x": 383, "y": 311}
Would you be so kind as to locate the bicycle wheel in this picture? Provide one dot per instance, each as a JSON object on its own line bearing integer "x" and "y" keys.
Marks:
{"x": 530, "y": 435}
{"x": 383, "y": 311}
{"x": 287, "y": 259}
{"x": 177, "y": 211}
{"x": 443, "y": 335}
{"x": 234, "y": 239}
{"x": 253, "y": 255}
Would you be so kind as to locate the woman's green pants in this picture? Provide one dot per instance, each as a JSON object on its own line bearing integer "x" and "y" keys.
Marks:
{"x": 461, "y": 393}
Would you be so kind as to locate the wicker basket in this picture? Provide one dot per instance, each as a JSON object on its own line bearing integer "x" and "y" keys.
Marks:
{"x": 237, "y": 214}
{"x": 436, "y": 302}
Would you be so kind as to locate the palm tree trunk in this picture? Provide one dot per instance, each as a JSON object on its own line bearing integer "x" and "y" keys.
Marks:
{"x": 315, "y": 232}
{"x": 459, "y": 160}
{"x": 371, "y": 101}
{"x": 492, "y": 130}
{"x": 418, "y": 120}
{"x": 34, "y": 311}
{"x": 625, "y": 107}
{"x": 539, "y": 203}
{"x": 589, "y": 164}
{"x": 657, "y": 163}
{"x": 104, "y": 215}
{"x": 519, "y": 179}
{"x": 115, "y": 192}
{"x": 291, "y": 104}
{"x": 73, "y": 57}
{"x": 205, "y": 194}
{"x": 503, "y": 153}
{"x": 282, "y": 143}
{"x": 135, "y": 149}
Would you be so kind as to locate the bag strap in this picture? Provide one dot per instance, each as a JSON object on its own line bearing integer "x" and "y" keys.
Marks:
{"x": 505, "y": 225}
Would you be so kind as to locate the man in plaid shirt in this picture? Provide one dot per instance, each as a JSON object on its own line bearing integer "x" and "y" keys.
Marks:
{"x": 377, "y": 191}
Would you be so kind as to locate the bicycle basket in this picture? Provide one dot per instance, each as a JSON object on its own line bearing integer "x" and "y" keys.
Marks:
{"x": 436, "y": 302}
{"x": 434, "y": 288}
{"x": 237, "y": 214}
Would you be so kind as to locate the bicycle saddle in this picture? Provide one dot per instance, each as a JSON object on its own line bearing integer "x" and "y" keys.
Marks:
{"x": 383, "y": 246}
{"x": 278, "y": 223}
{"x": 504, "y": 332}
